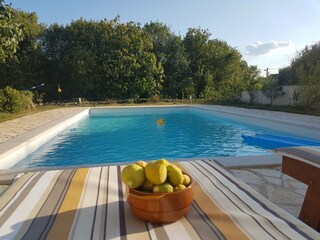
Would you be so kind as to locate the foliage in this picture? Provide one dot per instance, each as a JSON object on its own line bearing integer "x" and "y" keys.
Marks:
{"x": 12, "y": 100}
{"x": 271, "y": 89}
{"x": 103, "y": 60}
{"x": 24, "y": 70}
{"x": 254, "y": 82}
{"x": 154, "y": 99}
{"x": 10, "y": 32}
{"x": 170, "y": 53}
{"x": 304, "y": 70}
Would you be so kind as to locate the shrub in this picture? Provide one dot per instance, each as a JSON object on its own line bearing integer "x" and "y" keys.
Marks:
{"x": 12, "y": 100}
{"x": 154, "y": 99}
{"x": 271, "y": 89}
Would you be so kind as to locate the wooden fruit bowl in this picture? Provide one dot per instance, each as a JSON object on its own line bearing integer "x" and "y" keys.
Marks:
{"x": 160, "y": 207}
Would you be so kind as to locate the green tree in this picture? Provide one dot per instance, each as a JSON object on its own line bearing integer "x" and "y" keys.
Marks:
{"x": 25, "y": 68}
{"x": 102, "y": 60}
{"x": 10, "y": 32}
{"x": 253, "y": 80}
{"x": 271, "y": 89}
{"x": 196, "y": 47}
{"x": 304, "y": 70}
{"x": 170, "y": 53}
{"x": 228, "y": 69}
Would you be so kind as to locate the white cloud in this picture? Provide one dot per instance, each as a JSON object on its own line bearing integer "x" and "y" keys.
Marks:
{"x": 260, "y": 48}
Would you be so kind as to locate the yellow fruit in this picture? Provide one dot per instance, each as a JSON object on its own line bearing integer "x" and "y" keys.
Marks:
{"x": 164, "y": 161}
{"x": 175, "y": 175}
{"x": 186, "y": 180}
{"x": 163, "y": 188}
{"x": 133, "y": 175}
{"x": 156, "y": 171}
{"x": 141, "y": 163}
{"x": 147, "y": 186}
{"x": 179, "y": 187}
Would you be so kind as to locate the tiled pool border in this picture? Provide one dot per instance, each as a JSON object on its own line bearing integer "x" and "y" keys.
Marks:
{"x": 14, "y": 150}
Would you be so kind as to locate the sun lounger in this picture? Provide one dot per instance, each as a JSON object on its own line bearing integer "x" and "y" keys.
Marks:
{"x": 90, "y": 203}
{"x": 303, "y": 164}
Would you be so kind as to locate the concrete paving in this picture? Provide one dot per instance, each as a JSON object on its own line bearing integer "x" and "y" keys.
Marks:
{"x": 279, "y": 188}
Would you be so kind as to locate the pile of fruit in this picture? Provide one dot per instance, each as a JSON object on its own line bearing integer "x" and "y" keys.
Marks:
{"x": 156, "y": 176}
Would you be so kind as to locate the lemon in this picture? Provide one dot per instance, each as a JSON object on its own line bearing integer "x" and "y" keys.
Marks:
{"x": 141, "y": 163}
{"x": 147, "y": 186}
{"x": 133, "y": 175}
{"x": 156, "y": 171}
{"x": 163, "y": 188}
{"x": 179, "y": 187}
{"x": 186, "y": 180}
{"x": 175, "y": 175}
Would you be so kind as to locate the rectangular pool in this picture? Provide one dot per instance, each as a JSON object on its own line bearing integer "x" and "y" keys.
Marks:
{"x": 128, "y": 134}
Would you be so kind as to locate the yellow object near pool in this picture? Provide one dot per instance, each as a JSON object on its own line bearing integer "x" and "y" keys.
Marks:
{"x": 160, "y": 121}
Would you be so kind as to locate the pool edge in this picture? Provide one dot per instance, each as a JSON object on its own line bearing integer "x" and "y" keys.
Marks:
{"x": 14, "y": 150}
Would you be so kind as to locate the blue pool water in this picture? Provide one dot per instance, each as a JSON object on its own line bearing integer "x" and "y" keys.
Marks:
{"x": 124, "y": 135}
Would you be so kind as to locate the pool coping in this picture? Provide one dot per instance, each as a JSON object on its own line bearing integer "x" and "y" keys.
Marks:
{"x": 15, "y": 149}
{"x": 26, "y": 143}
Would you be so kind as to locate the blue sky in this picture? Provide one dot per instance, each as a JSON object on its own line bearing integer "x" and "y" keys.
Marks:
{"x": 267, "y": 33}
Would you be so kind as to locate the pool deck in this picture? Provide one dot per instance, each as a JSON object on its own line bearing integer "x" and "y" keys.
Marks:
{"x": 262, "y": 173}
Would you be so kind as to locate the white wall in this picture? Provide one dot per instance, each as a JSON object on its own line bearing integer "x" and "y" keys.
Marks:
{"x": 285, "y": 99}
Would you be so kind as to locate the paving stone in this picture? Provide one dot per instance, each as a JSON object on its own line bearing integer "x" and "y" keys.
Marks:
{"x": 274, "y": 180}
{"x": 248, "y": 177}
{"x": 293, "y": 209}
{"x": 282, "y": 190}
{"x": 268, "y": 172}
{"x": 302, "y": 192}
{"x": 279, "y": 195}
{"x": 294, "y": 184}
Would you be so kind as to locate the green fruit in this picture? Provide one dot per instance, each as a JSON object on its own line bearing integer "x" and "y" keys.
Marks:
{"x": 133, "y": 175}
{"x": 186, "y": 180}
{"x": 179, "y": 187}
{"x": 156, "y": 171}
{"x": 147, "y": 186}
{"x": 163, "y": 188}
{"x": 175, "y": 175}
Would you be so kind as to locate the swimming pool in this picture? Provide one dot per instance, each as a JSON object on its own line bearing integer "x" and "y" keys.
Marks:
{"x": 130, "y": 134}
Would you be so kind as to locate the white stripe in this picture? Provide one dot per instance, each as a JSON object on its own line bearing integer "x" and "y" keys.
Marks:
{"x": 151, "y": 231}
{"x": 112, "y": 224}
{"x": 18, "y": 194}
{"x": 98, "y": 228}
{"x": 13, "y": 224}
{"x": 82, "y": 225}
{"x": 176, "y": 231}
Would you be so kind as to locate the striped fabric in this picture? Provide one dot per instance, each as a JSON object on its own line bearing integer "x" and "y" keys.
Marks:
{"x": 307, "y": 154}
{"x": 90, "y": 203}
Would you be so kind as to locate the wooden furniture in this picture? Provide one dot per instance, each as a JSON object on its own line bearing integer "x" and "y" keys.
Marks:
{"x": 309, "y": 174}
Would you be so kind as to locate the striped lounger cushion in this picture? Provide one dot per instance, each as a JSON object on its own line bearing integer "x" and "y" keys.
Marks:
{"x": 90, "y": 203}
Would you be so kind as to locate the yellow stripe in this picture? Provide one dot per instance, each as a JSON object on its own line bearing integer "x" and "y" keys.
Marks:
{"x": 64, "y": 220}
